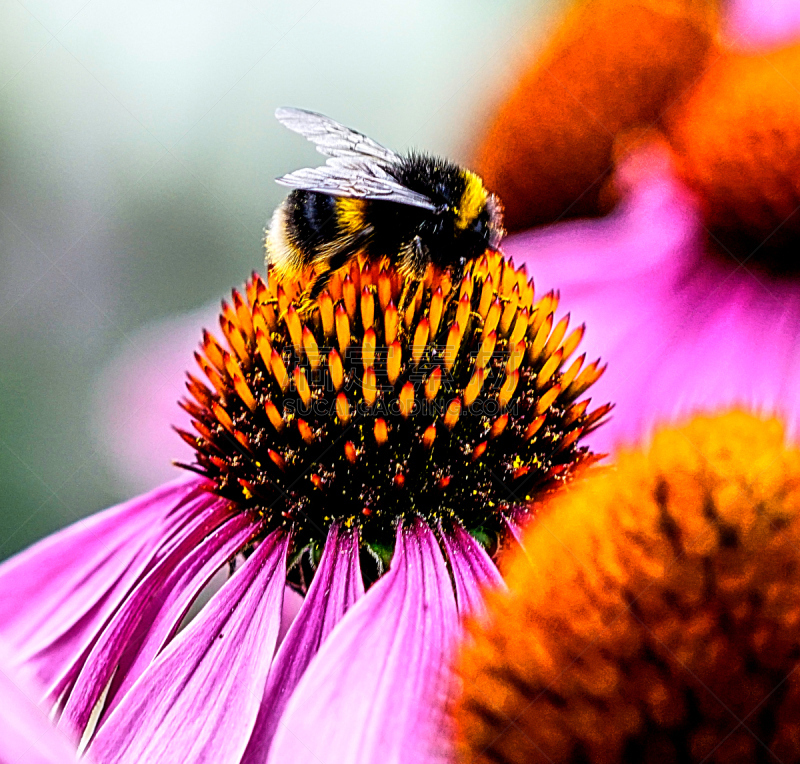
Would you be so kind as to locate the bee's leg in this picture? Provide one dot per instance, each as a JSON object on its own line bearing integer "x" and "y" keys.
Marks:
{"x": 337, "y": 260}
{"x": 408, "y": 294}
{"x": 413, "y": 264}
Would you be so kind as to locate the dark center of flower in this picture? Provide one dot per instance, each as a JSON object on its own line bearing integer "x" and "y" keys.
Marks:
{"x": 459, "y": 408}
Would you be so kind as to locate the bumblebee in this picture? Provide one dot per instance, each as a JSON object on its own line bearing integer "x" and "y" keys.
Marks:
{"x": 418, "y": 211}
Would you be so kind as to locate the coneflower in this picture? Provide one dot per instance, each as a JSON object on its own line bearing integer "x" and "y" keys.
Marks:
{"x": 653, "y": 616}
{"x": 692, "y": 283}
{"x": 344, "y": 447}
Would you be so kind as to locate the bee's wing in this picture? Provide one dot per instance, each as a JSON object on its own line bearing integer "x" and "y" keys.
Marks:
{"x": 333, "y": 139}
{"x": 357, "y": 180}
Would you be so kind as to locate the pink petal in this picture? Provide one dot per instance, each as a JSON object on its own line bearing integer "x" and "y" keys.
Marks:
{"x": 187, "y": 556}
{"x": 56, "y": 596}
{"x": 199, "y": 700}
{"x": 336, "y": 586}
{"x": 375, "y": 690}
{"x": 26, "y": 734}
{"x": 761, "y": 23}
{"x": 682, "y": 329}
{"x": 473, "y": 570}
{"x": 165, "y": 614}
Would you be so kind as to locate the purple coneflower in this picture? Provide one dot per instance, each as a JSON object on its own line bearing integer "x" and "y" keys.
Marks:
{"x": 692, "y": 283}
{"x": 348, "y": 448}
{"x": 688, "y": 328}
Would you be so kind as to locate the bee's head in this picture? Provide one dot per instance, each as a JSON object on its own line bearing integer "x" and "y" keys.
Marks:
{"x": 468, "y": 220}
{"x": 478, "y": 218}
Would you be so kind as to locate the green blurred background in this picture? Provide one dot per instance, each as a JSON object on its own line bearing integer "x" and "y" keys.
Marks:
{"x": 137, "y": 155}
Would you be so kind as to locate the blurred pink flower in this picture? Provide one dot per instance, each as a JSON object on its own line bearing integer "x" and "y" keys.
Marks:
{"x": 762, "y": 23}
{"x": 683, "y": 329}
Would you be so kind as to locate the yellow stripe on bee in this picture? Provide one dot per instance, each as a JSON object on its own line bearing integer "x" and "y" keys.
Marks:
{"x": 473, "y": 200}
{"x": 350, "y": 214}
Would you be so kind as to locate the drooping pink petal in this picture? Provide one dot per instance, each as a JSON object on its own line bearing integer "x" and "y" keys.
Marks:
{"x": 56, "y": 596}
{"x": 337, "y": 585}
{"x": 186, "y": 557}
{"x": 26, "y": 734}
{"x": 165, "y": 613}
{"x": 199, "y": 700}
{"x": 681, "y": 328}
{"x": 473, "y": 570}
{"x": 375, "y": 690}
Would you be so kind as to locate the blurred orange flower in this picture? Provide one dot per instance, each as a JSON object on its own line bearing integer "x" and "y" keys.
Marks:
{"x": 654, "y": 613}
{"x": 617, "y": 72}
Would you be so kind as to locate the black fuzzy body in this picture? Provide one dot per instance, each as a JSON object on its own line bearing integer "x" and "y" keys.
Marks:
{"x": 329, "y": 230}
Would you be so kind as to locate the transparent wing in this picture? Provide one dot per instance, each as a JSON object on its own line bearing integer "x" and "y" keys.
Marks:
{"x": 335, "y": 140}
{"x": 358, "y": 180}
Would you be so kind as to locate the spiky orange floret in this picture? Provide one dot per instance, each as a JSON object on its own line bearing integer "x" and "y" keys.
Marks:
{"x": 654, "y": 614}
{"x": 612, "y": 66}
{"x": 458, "y": 406}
